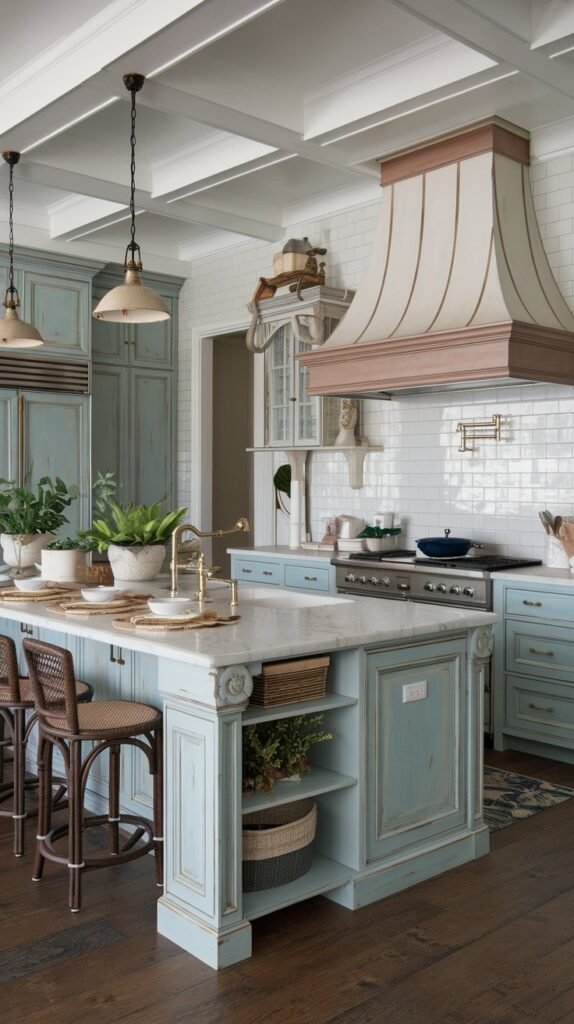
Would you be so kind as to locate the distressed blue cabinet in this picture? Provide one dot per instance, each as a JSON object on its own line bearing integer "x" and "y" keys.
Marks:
{"x": 56, "y": 297}
{"x": 416, "y": 772}
{"x": 48, "y": 434}
{"x": 301, "y": 572}
{"x": 135, "y": 397}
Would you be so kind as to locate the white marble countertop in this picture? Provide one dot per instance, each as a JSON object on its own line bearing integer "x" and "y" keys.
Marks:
{"x": 537, "y": 574}
{"x": 282, "y": 551}
{"x": 264, "y": 631}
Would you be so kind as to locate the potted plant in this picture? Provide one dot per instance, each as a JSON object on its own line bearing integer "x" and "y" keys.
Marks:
{"x": 279, "y": 750}
{"x": 134, "y": 536}
{"x": 65, "y": 558}
{"x": 29, "y": 518}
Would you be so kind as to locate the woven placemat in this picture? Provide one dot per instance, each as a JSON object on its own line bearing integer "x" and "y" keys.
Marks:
{"x": 155, "y": 624}
{"x": 44, "y": 596}
{"x": 125, "y": 604}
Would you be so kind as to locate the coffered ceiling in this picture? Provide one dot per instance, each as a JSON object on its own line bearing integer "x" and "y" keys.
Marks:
{"x": 256, "y": 114}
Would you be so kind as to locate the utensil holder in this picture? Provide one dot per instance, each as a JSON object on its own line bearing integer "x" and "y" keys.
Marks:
{"x": 554, "y": 554}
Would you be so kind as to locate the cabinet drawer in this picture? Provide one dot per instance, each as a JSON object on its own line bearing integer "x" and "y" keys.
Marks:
{"x": 542, "y": 650}
{"x": 307, "y": 577}
{"x": 540, "y": 605}
{"x": 259, "y": 572}
{"x": 545, "y": 709}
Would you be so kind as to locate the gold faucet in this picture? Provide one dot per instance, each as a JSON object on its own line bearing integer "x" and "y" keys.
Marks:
{"x": 204, "y": 573}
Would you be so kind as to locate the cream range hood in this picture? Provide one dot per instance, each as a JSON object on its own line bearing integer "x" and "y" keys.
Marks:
{"x": 458, "y": 292}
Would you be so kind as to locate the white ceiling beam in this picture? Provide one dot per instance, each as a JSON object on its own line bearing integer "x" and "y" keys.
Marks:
{"x": 205, "y": 162}
{"x": 481, "y": 33}
{"x": 84, "y": 184}
{"x": 236, "y": 122}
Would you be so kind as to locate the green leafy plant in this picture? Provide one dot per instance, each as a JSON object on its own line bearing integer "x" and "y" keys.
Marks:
{"x": 282, "y": 484}
{"x": 70, "y": 544}
{"x": 132, "y": 524}
{"x": 279, "y": 749}
{"x": 379, "y": 531}
{"x": 35, "y": 511}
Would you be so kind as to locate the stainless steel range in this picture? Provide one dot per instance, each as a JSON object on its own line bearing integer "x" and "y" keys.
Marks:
{"x": 463, "y": 582}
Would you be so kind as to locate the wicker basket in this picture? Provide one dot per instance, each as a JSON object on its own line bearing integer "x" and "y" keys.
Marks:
{"x": 278, "y": 844}
{"x": 288, "y": 682}
{"x": 100, "y": 573}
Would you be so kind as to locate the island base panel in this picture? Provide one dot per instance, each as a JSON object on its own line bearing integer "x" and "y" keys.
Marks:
{"x": 216, "y": 948}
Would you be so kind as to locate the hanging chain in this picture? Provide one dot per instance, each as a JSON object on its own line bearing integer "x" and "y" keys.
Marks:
{"x": 11, "y": 288}
{"x": 133, "y": 247}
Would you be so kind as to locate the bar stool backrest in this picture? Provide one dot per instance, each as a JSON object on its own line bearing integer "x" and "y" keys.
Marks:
{"x": 53, "y": 682}
{"x": 9, "y": 676}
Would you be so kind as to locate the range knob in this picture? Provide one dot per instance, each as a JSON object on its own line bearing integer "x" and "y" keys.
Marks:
{"x": 350, "y": 578}
{"x": 362, "y": 579}
{"x": 404, "y": 586}
{"x": 441, "y": 588}
{"x": 468, "y": 592}
{"x": 429, "y": 586}
{"x": 386, "y": 581}
{"x": 375, "y": 580}
{"x": 455, "y": 590}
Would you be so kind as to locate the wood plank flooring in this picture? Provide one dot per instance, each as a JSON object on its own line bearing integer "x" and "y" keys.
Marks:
{"x": 492, "y": 941}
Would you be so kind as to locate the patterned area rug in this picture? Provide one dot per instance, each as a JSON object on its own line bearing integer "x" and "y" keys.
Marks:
{"x": 509, "y": 797}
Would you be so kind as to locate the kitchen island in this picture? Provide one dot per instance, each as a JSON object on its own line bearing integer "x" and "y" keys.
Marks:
{"x": 398, "y": 788}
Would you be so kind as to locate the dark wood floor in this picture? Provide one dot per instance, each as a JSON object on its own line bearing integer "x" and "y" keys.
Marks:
{"x": 492, "y": 941}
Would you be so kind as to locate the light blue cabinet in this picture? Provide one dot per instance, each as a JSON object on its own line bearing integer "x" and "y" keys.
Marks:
{"x": 533, "y": 678}
{"x": 298, "y": 573}
{"x": 56, "y": 297}
{"x": 48, "y": 434}
{"x": 135, "y": 397}
{"x": 416, "y": 772}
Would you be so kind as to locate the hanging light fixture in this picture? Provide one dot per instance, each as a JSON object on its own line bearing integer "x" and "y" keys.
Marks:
{"x": 14, "y": 333}
{"x": 132, "y": 302}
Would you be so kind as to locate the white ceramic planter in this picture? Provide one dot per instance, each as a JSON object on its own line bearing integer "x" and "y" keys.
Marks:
{"x": 63, "y": 565}
{"x": 22, "y": 550}
{"x": 140, "y": 562}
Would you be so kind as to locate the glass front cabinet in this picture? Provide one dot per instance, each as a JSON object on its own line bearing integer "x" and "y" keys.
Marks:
{"x": 294, "y": 419}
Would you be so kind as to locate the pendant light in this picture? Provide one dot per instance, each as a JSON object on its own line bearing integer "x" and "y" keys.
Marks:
{"x": 132, "y": 302}
{"x": 14, "y": 333}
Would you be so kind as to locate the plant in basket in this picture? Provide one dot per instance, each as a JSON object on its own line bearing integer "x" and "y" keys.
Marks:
{"x": 279, "y": 749}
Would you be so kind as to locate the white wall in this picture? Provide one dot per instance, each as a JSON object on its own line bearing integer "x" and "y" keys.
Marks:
{"x": 492, "y": 495}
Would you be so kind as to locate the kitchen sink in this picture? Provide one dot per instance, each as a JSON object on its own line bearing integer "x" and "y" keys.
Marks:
{"x": 265, "y": 597}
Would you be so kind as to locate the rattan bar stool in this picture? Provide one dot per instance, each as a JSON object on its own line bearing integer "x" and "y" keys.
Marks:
{"x": 16, "y": 701}
{"x": 111, "y": 724}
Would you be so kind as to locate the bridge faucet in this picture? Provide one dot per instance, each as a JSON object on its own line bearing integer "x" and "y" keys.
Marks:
{"x": 241, "y": 526}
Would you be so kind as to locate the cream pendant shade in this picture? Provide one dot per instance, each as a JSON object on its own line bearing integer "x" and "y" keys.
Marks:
{"x": 131, "y": 302}
{"x": 16, "y": 333}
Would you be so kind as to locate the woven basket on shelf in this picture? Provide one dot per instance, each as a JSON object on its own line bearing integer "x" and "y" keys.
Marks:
{"x": 278, "y": 844}
{"x": 288, "y": 682}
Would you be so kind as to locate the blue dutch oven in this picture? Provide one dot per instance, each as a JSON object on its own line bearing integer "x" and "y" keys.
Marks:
{"x": 444, "y": 547}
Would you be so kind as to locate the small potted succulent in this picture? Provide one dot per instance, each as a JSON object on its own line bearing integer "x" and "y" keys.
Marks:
{"x": 65, "y": 559}
{"x": 133, "y": 536}
{"x": 29, "y": 518}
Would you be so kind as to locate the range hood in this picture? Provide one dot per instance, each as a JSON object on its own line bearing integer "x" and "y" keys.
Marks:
{"x": 458, "y": 292}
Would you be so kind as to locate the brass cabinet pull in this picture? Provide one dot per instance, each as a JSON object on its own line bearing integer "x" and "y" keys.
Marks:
{"x": 540, "y": 707}
{"x": 120, "y": 660}
{"x": 247, "y": 571}
{"x": 26, "y": 629}
{"x": 112, "y": 659}
{"x": 266, "y": 572}
{"x": 533, "y": 604}
{"x": 538, "y": 650}
{"x": 310, "y": 579}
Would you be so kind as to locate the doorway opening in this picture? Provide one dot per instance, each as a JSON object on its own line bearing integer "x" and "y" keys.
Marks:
{"x": 232, "y": 434}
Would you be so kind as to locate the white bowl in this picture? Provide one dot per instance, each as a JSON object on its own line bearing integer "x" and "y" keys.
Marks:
{"x": 374, "y": 543}
{"x": 33, "y": 583}
{"x": 171, "y": 607}
{"x": 98, "y": 594}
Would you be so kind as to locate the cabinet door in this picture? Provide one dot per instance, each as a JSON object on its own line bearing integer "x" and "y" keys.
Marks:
{"x": 416, "y": 771}
{"x": 151, "y": 436}
{"x": 8, "y": 435}
{"x": 100, "y": 664}
{"x": 306, "y": 409}
{"x": 110, "y": 396}
{"x": 110, "y": 342}
{"x": 137, "y": 783}
{"x": 152, "y": 344}
{"x": 279, "y": 385}
{"x": 56, "y": 442}
{"x": 60, "y": 309}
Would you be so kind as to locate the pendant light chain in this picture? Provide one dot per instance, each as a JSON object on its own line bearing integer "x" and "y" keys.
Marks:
{"x": 11, "y": 288}
{"x": 133, "y": 246}
{"x": 14, "y": 333}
